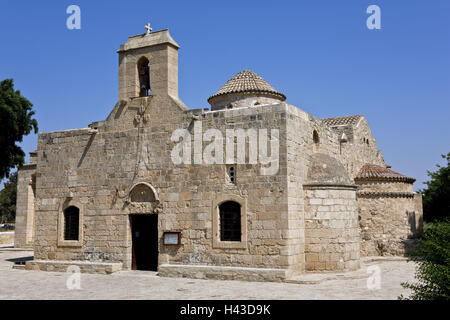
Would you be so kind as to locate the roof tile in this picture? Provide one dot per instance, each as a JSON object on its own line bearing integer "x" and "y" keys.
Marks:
{"x": 375, "y": 172}
{"x": 339, "y": 121}
{"x": 247, "y": 81}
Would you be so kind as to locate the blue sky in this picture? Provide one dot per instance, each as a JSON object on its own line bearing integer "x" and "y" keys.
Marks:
{"x": 320, "y": 54}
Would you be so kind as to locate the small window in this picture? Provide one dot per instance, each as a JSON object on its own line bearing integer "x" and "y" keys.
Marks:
{"x": 231, "y": 173}
{"x": 316, "y": 141}
{"x": 230, "y": 221}
{"x": 71, "y": 223}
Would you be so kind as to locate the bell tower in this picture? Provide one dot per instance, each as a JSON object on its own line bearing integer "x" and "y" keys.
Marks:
{"x": 148, "y": 65}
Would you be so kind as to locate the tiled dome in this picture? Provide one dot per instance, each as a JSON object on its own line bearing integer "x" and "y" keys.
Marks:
{"x": 247, "y": 82}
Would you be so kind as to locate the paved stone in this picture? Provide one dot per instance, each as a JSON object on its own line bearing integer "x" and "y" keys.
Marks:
{"x": 23, "y": 284}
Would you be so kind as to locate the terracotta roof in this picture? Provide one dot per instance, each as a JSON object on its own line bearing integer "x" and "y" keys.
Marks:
{"x": 374, "y": 172}
{"x": 246, "y": 82}
{"x": 339, "y": 121}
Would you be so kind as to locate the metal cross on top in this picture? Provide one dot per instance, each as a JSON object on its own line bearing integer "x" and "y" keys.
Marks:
{"x": 147, "y": 26}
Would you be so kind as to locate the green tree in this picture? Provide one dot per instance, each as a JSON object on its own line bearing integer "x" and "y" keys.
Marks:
{"x": 436, "y": 197}
{"x": 433, "y": 264}
{"x": 15, "y": 122}
{"x": 8, "y": 197}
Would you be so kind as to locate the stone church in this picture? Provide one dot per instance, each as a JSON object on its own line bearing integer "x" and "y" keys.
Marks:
{"x": 114, "y": 196}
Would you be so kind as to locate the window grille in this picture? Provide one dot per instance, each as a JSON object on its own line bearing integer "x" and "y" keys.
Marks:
{"x": 71, "y": 223}
{"x": 230, "y": 221}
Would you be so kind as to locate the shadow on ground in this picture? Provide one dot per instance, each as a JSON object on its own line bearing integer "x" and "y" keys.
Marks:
{"x": 20, "y": 259}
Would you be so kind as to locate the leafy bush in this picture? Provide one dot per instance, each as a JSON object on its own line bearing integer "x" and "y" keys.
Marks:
{"x": 436, "y": 197}
{"x": 433, "y": 264}
{"x": 15, "y": 122}
{"x": 8, "y": 197}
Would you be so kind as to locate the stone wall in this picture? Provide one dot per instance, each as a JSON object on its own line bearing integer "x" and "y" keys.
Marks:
{"x": 362, "y": 150}
{"x": 300, "y": 148}
{"x": 206, "y": 185}
{"x": 238, "y": 101}
{"x": 6, "y": 238}
{"x": 70, "y": 172}
{"x": 389, "y": 217}
{"x": 223, "y": 273}
{"x": 301, "y": 153}
{"x": 94, "y": 170}
{"x": 418, "y": 209}
{"x": 25, "y": 207}
{"x": 73, "y": 266}
{"x": 331, "y": 229}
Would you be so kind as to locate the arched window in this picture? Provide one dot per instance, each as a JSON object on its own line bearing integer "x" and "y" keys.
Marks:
{"x": 230, "y": 221}
{"x": 71, "y": 223}
{"x": 316, "y": 141}
{"x": 144, "y": 76}
{"x": 142, "y": 193}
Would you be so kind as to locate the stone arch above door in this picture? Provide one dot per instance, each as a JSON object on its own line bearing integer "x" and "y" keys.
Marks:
{"x": 142, "y": 198}
{"x": 142, "y": 192}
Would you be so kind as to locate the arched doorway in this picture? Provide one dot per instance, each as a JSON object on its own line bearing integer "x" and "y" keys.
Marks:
{"x": 144, "y": 230}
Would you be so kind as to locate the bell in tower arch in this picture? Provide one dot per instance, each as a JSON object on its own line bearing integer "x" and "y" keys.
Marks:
{"x": 144, "y": 77}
